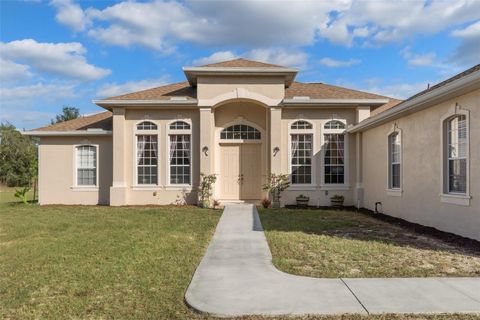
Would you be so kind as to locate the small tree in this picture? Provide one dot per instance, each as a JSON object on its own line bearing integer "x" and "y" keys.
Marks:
{"x": 68, "y": 113}
{"x": 205, "y": 189}
{"x": 18, "y": 157}
{"x": 276, "y": 184}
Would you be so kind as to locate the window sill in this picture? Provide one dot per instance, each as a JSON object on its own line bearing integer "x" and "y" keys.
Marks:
{"x": 147, "y": 187}
{"x": 299, "y": 187}
{"x": 334, "y": 187}
{"x": 394, "y": 192}
{"x": 457, "y": 199}
{"x": 186, "y": 187}
{"x": 84, "y": 188}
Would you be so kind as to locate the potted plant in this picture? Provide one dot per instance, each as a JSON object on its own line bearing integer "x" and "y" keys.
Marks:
{"x": 337, "y": 201}
{"x": 276, "y": 184}
{"x": 302, "y": 201}
{"x": 266, "y": 203}
{"x": 205, "y": 189}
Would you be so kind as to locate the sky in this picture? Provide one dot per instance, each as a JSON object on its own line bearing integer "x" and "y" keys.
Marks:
{"x": 67, "y": 53}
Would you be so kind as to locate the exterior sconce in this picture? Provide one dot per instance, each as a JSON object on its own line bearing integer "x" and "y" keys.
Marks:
{"x": 205, "y": 150}
{"x": 275, "y": 151}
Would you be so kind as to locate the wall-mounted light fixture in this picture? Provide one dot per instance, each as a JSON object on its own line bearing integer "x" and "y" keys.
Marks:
{"x": 275, "y": 151}
{"x": 205, "y": 150}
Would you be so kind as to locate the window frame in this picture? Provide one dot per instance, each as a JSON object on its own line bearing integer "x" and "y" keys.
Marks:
{"x": 311, "y": 131}
{"x": 346, "y": 166}
{"x": 75, "y": 166}
{"x": 170, "y": 132}
{"x": 394, "y": 191}
{"x": 145, "y": 132}
{"x": 446, "y": 196}
{"x": 229, "y": 125}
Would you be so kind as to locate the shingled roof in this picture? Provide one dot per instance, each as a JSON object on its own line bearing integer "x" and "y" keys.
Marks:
{"x": 180, "y": 89}
{"x": 101, "y": 120}
{"x": 241, "y": 63}
{"x": 326, "y": 91}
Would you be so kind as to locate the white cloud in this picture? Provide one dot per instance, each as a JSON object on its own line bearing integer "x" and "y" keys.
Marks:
{"x": 332, "y": 63}
{"x": 26, "y": 119}
{"x": 282, "y": 57}
{"x": 11, "y": 72}
{"x": 39, "y": 91}
{"x": 468, "y": 52}
{"x": 472, "y": 30}
{"x": 396, "y": 20}
{"x": 70, "y": 14}
{"x": 419, "y": 60}
{"x": 115, "y": 89}
{"x": 215, "y": 57}
{"x": 59, "y": 59}
{"x": 160, "y": 24}
{"x": 399, "y": 90}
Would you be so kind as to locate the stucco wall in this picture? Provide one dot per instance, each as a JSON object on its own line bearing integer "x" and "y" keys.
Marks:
{"x": 421, "y": 170}
{"x": 320, "y": 194}
{"x": 164, "y": 193}
{"x": 211, "y": 87}
{"x": 57, "y": 171}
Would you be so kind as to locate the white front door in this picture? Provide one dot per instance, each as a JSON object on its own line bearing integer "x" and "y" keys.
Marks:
{"x": 251, "y": 172}
{"x": 240, "y": 172}
{"x": 230, "y": 172}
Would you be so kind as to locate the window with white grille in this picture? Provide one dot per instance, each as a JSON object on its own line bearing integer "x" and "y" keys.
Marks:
{"x": 86, "y": 165}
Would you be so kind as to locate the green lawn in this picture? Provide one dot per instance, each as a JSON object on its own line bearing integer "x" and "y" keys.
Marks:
{"x": 64, "y": 262}
{"x": 7, "y": 194}
{"x": 322, "y": 243}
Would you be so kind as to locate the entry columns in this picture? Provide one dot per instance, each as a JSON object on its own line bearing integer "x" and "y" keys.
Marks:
{"x": 118, "y": 194}
{"x": 275, "y": 144}
{"x": 206, "y": 144}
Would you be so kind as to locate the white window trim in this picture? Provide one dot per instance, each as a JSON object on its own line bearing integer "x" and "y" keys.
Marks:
{"x": 184, "y": 186}
{"x": 462, "y": 199}
{"x": 136, "y": 132}
{"x": 75, "y": 186}
{"x": 394, "y": 192}
{"x": 346, "y": 161}
{"x": 303, "y": 186}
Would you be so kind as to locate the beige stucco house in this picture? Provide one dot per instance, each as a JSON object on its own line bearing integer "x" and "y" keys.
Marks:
{"x": 417, "y": 159}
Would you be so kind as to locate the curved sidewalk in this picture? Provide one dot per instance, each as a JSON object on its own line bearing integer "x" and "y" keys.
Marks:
{"x": 236, "y": 277}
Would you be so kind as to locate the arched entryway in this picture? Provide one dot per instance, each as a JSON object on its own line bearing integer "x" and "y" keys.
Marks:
{"x": 240, "y": 148}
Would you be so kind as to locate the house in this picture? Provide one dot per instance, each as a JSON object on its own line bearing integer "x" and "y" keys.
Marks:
{"x": 417, "y": 159}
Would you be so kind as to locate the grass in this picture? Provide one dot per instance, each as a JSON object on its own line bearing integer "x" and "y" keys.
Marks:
{"x": 64, "y": 262}
{"x": 7, "y": 194}
{"x": 332, "y": 244}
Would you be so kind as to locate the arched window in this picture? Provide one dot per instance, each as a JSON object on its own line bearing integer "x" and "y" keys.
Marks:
{"x": 240, "y": 132}
{"x": 334, "y": 124}
{"x": 301, "y": 153}
{"x": 334, "y": 155}
{"x": 146, "y": 153}
{"x": 301, "y": 124}
{"x": 146, "y": 125}
{"x": 180, "y": 153}
{"x": 456, "y": 154}
{"x": 86, "y": 165}
{"x": 394, "y": 160}
{"x": 180, "y": 125}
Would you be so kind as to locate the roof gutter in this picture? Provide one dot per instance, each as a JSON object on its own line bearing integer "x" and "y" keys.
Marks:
{"x": 369, "y": 102}
{"x": 161, "y": 103}
{"x": 460, "y": 86}
{"x": 72, "y": 133}
{"x": 193, "y": 72}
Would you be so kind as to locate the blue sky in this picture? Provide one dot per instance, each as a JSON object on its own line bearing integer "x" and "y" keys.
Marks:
{"x": 62, "y": 52}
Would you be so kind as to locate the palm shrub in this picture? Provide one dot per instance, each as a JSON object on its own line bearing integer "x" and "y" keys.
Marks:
{"x": 205, "y": 189}
{"x": 276, "y": 184}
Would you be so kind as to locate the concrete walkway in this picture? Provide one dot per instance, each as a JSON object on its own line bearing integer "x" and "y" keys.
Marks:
{"x": 236, "y": 277}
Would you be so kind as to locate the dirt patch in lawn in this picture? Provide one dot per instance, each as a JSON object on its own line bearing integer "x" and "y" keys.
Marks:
{"x": 323, "y": 243}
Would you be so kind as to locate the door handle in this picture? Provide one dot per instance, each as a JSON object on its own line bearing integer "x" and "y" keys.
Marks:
{"x": 240, "y": 178}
